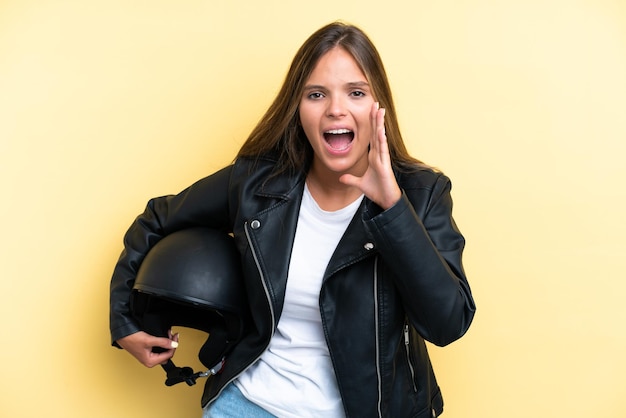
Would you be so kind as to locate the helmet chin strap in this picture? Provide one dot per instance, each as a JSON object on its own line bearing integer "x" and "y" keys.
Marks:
{"x": 211, "y": 355}
{"x": 177, "y": 374}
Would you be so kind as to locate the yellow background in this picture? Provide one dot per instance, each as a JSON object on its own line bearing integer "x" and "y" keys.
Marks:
{"x": 104, "y": 104}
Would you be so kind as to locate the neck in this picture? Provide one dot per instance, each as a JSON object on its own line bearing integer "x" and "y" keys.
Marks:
{"x": 329, "y": 193}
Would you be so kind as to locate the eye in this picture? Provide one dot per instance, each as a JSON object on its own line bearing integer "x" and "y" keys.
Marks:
{"x": 315, "y": 95}
{"x": 358, "y": 93}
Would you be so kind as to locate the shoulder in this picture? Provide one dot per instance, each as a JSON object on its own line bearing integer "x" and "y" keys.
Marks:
{"x": 260, "y": 166}
{"x": 421, "y": 177}
{"x": 426, "y": 188}
{"x": 260, "y": 174}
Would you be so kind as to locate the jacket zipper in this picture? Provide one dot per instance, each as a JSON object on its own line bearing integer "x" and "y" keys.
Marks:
{"x": 269, "y": 301}
{"x": 376, "y": 325}
{"x": 408, "y": 355}
{"x": 258, "y": 267}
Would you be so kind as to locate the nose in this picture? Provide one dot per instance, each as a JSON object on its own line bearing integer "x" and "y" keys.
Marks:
{"x": 336, "y": 106}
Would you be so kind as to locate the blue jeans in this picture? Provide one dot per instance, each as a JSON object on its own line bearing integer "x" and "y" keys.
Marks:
{"x": 232, "y": 404}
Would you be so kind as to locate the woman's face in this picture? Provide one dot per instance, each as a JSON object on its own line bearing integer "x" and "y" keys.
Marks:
{"x": 335, "y": 115}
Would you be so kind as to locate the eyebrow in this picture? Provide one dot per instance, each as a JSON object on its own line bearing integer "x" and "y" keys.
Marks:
{"x": 351, "y": 84}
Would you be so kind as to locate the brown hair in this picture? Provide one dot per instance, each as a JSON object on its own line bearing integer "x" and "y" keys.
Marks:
{"x": 279, "y": 131}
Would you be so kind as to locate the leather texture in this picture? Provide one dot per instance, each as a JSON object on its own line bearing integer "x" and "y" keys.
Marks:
{"x": 395, "y": 280}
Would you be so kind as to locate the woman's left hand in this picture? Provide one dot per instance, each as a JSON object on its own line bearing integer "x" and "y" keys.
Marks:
{"x": 378, "y": 182}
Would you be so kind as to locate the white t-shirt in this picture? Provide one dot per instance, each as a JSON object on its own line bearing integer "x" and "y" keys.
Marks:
{"x": 294, "y": 378}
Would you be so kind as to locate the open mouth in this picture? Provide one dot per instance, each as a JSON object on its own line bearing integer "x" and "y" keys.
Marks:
{"x": 339, "y": 139}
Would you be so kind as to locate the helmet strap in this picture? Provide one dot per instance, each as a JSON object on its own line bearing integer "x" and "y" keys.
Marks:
{"x": 177, "y": 375}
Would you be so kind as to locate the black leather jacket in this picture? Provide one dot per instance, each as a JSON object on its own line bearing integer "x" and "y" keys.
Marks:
{"x": 394, "y": 280}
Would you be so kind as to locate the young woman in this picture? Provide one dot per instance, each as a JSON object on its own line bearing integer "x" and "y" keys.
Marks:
{"x": 350, "y": 254}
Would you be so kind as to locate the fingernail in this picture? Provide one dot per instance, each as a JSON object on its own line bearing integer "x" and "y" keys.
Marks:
{"x": 174, "y": 344}
{"x": 377, "y": 105}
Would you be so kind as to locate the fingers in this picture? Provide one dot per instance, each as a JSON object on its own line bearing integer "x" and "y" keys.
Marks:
{"x": 154, "y": 359}
{"x": 148, "y": 349}
{"x": 383, "y": 150}
{"x": 383, "y": 188}
{"x": 160, "y": 350}
{"x": 351, "y": 180}
{"x": 172, "y": 336}
{"x": 378, "y": 142}
{"x": 373, "y": 124}
{"x": 165, "y": 343}
{"x": 378, "y": 182}
{"x": 374, "y": 121}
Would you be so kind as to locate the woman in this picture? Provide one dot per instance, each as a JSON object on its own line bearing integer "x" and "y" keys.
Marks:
{"x": 350, "y": 254}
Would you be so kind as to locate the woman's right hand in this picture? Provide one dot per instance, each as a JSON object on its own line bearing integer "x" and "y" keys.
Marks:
{"x": 140, "y": 345}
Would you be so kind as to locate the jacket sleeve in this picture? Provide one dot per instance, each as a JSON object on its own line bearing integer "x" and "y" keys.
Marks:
{"x": 424, "y": 253}
{"x": 205, "y": 203}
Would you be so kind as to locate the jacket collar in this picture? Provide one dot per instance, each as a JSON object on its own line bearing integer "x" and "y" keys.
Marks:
{"x": 355, "y": 244}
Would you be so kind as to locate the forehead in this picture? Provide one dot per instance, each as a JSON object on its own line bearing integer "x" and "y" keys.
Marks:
{"x": 337, "y": 64}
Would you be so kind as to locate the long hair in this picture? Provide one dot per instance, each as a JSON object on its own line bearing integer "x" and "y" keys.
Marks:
{"x": 279, "y": 131}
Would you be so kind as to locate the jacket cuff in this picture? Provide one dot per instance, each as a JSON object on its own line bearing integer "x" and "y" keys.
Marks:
{"x": 122, "y": 332}
{"x": 380, "y": 216}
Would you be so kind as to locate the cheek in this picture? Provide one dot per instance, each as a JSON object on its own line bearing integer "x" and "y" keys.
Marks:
{"x": 365, "y": 124}
{"x": 308, "y": 122}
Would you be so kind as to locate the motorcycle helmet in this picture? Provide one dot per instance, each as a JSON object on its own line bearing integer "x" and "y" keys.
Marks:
{"x": 192, "y": 278}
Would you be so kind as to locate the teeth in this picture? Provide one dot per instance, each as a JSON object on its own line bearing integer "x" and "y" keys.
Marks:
{"x": 338, "y": 131}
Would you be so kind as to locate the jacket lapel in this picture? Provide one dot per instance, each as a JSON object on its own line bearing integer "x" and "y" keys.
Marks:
{"x": 271, "y": 232}
{"x": 355, "y": 244}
